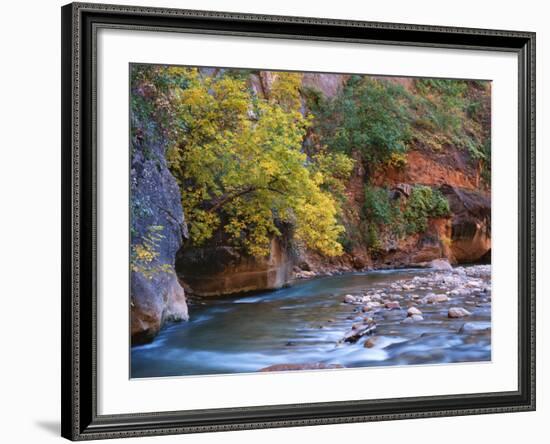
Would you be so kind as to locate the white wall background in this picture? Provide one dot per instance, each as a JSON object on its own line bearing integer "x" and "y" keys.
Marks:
{"x": 30, "y": 220}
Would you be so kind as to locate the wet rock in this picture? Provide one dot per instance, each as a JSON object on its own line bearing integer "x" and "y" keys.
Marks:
{"x": 441, "y": 265}
{"x": 349, "y": 299}
{"x": 305, "y": 274}
{"x": 412, "y": 311}
{"x": 458, "y": 312}
{"x": 459, "y": 292}
{"x": 417, "y": 317}
{"x": 371, "y": 342}
{"x": 392, "y": 305}
{"x": 359, "y": 331}
{"x": 432, "y": 298}
{"x": 475, "y": 327}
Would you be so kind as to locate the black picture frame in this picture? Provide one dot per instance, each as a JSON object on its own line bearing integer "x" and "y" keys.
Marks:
{"x": 80, "y": 420}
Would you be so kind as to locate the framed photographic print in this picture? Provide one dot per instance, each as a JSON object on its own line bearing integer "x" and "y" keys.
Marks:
{"x": 280, "y": 221}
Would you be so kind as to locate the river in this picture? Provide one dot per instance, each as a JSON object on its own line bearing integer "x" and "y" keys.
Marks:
{"x": 306, "y": 322}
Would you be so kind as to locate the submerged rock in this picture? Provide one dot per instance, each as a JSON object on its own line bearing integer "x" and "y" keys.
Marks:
{"x": 458, "y": 312}
{"x": 475, "y": 327}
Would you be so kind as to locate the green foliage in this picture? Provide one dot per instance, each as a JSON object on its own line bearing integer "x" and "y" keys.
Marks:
{"x": 379, "y": 208}
{"x": 370, "y": 115}
{"x": 452, "y": 112}
{"x": 423, "y": 203}
{"x": 239, "y": 163}
{"x": 384, "y": 214}
{"x": 373, "y": 239}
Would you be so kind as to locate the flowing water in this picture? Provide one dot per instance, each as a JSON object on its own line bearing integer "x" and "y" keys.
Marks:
{"x": 305, "y": 323}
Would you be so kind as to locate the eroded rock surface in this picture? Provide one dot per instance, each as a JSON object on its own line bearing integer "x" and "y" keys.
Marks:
{"x": 223, "y": 270}
{"x": 157, "y": 230}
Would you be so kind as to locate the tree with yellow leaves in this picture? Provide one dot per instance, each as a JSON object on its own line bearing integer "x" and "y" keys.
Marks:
{"x": 238, "y": 160}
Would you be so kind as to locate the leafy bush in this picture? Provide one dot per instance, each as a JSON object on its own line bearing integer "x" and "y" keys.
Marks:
{"x": 383, "y": 214}
{"x": 423, "y": 203}
{"x": 378, "y": 207}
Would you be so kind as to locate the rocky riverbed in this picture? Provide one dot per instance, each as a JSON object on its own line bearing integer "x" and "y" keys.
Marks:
{"x": 447, "y": 293}
{"x": 375, "y": 318}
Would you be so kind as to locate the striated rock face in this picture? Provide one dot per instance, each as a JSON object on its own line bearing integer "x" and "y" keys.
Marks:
{"x": 157, "y": 228}
{"x": 470, "y": 224}
{"x": 222, "y": 270}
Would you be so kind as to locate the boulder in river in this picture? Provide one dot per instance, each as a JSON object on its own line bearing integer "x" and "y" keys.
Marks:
{"x": 392, "y": 305}
{"x": 458, "y": 312}
{"x": 360, "y": 330}
{"x": 349, "y": 299}
{"x": 432, "y": 298}
{"x": 440, "y": 265}
{"x": 412, "y": 311}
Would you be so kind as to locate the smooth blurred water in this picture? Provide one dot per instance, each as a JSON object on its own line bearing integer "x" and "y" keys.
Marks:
{"x": 304, "y": 324}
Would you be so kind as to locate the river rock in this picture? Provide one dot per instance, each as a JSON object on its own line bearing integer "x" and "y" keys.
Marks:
{"x": 349, "y": 299}
{"x": 432, "y": 298}
{"x": 417, "y": 317}
{"x": 475, "y": 327}
{"x": 371, "y": 342}
{"x": 356, "y": 333}
{"x": 392, "y": 305}
{"x": 441, "y": 265}
{"x": 412, "y": 311}
{"x": 458, "y": 312}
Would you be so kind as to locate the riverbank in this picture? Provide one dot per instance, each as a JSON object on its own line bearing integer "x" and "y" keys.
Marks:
{"x": 392, "y": 317}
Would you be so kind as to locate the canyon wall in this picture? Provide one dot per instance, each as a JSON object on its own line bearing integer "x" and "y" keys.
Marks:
{"x": 157, "y": 228}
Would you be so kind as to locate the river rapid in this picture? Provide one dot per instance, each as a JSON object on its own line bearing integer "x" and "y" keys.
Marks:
{"x": 376, "y": 318}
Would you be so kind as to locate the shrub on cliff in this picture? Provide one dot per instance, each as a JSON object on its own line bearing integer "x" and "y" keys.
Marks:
{"x": 450, "y": 112}
{"x": 383, "y": 214}
{"x": 423, "y": 203}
